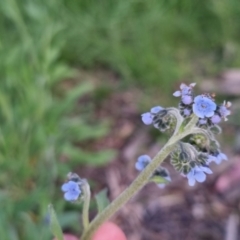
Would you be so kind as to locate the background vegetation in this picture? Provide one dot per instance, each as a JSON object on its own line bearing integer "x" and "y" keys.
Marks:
{"x": 44, "y": 116}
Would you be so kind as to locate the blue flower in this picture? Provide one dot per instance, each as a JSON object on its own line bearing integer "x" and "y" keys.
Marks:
{"x": 223, "y": 110}
{"x": 147, "y": 117}
{"x": 187, "y": 99}
{"x": 215, "y": 119}
{"x": 72, "y": 191}
{"x": 142, "y": 162}
{"x": 156, "y": 109}
{"x": 204, "y": 106}
{"x": 186, "y": 112}
{"x": 198, "y": 174}
{"x": 217, "y": 158}
{"x": 184, "y": 90}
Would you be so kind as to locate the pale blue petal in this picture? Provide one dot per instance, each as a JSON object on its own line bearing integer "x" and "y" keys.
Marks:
{"x": 186, "y": 112}
{"x": 198, "y": 98}
{"x": 187, "y": 99}
{"x": 196, "y": 111}
{"x": 200, "y": 176}
{"x": 192, "y": 85}
{"x": 65, "y": 187}
{"x": 210, "y": 113}
{"x": 183, "y": 85}
{"x": 215, "y": 119}
{"x": 147, "y": 118}
{"x": 142, "y": 162}
{"x": 191, "y": 181}
{"x": 223, "y": 156}
{"x": 156, "y": 109}
{"x": 224, "y": 111}
{"x": 144, "y": 158}
{"x": 218, "y": 159}
{"x": 69, "y": 196}
{"x": 211, "y": 158}
{"x": 206, "y": 170}
{"x": 139, "y": 166}
{"x": 191, "y": 178}
{"x": 186, "y": 91}
{"x": 177, "y": 94}
{"x": 69, "y": 185}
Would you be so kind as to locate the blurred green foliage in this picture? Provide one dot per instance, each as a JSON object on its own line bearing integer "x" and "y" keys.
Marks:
{"x": 155, "y": 41}
{"x": 149, "y": 43}
{"x": 40, "y": 123}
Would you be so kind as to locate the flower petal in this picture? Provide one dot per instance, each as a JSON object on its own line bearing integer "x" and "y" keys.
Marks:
{"x": 223, "y": 156}
{"x": 206, "y": 170}
{"x": 187, "y": 99}
{"x": 211, "y": 158}
{"x": 139, "y": 166}
{"x": 177, "y": 94}
{"x": 156, "y": 109}
{"x": 191, "y": 178}
{"x": 191, "y": 181}
{"x": 216, "y": 119}
{"x": 200, "y": 176}
{"x": 183, "y": 85}
{"x": 69, "y": 185}
{"x": 65, "y": 187}
{"x": 186, "y": 112}
{"x": 70, "y": 196}
{"x": 147, "y": 118}
{"x": 144, "y": 158}
{"x": 197, "y": 112}
{"x": 209, "y": 114}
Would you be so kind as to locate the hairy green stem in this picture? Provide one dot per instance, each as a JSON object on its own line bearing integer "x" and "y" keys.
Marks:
{"x": 125, "y": 196}
{"x": 138, "y": 183}
{"x": 86, "y": 202}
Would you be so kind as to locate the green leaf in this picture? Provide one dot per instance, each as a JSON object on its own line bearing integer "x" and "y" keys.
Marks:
{"x": 54, "y": 224}
{"x": 158, "y": 179}
{"x": 102, "y": 200}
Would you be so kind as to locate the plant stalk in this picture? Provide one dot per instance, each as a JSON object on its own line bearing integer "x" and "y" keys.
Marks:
{"x": 138, "y": 183}
{"x": 125, "y": 196}
{"x": 86, "y": 202}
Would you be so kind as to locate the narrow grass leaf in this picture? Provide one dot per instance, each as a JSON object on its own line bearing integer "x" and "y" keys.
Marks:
{"x": 54, "y": 224}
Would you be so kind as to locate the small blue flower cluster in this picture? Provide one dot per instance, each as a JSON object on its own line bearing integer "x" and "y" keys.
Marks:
{"x": 191, "y": 158}
{"x": 142, "y": 162}
{"x": 198, "y": 173}
{"x": 160, "y": 118}
{"x": 148, "y": 117}
{"x": 202, "y": 106}
{"x": 72, "y": 189}
{"x": 160, "y": 176}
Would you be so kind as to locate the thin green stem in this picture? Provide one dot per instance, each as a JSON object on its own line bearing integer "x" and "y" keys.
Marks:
{"x": 125, "y": 196}
{"x": 192, "y": 123}
{"x": 86, "y": 202}
{"x": 138, "y": 183}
